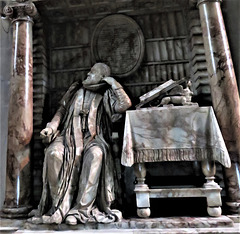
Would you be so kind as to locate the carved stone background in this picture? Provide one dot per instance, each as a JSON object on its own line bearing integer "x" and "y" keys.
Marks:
{"x": 69, "y": 27}
{"x": 62, "y": 54}
{"x": 40, "y": 83}
{"x": 166, "y": 54}
{"x": 59, "y": 10}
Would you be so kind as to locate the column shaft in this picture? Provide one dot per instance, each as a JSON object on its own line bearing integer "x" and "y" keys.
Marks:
{"x": 20, "y": 120}
{"x": 224, "y": 91}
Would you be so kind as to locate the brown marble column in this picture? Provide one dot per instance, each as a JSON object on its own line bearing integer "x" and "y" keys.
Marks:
{"x": 20, "y": 117}
{"x": 224, "y": 91}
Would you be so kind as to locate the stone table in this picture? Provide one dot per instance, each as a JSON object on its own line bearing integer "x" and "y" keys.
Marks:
{"x": 180, "y": 133}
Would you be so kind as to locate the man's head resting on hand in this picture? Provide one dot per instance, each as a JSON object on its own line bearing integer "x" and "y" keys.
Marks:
{"x": 97, "y": 73}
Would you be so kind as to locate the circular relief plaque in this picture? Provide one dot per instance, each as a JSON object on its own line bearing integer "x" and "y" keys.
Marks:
{"x": 118, "y": 41}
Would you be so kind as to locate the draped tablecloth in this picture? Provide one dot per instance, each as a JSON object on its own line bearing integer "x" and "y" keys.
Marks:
{"x": 179, "y": 133}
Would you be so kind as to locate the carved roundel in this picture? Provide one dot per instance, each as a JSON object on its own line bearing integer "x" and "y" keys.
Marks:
{"x": 118, "y": 41}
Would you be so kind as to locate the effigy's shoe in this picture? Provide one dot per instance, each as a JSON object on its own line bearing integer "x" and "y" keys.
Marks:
{"x": 56, "y": 218}
{"x": 35, "y": 220}
{"x": 71, "y": 220}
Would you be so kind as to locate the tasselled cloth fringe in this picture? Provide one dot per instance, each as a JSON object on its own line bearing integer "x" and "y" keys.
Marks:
{"x": 196, "y": 154}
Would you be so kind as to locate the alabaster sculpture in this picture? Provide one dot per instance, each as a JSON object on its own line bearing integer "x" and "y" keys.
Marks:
{"x": 78, "y": 174}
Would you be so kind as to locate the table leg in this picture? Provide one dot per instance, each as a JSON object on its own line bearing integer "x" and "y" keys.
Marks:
{"x": 142, "y": 191}
{"x": 212, "y": 189}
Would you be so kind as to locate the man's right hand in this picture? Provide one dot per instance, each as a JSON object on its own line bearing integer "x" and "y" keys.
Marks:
{"x": 46, "y": 132}
{"x": 46, "y": 135}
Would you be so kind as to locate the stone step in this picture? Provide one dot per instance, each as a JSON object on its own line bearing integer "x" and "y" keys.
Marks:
{"x": 133, "y": 225}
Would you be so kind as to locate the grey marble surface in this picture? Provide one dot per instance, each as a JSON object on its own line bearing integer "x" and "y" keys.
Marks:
{"x": 221, "y": 224}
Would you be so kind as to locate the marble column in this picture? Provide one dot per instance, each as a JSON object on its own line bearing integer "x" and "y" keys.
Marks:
{"x": 20, "y": 117}
{"x": 224, "y": 91}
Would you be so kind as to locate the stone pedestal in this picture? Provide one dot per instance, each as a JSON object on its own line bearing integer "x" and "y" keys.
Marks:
{"x": 165, "y": 225}
{"x": 224, "y": 91}
{"x": 20, "y": 118}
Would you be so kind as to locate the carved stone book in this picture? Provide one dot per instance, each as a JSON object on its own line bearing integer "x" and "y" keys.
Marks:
{"x": 156, "y": 92}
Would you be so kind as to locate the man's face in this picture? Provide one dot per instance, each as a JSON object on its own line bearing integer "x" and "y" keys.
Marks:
{"x": 93, "y": 77}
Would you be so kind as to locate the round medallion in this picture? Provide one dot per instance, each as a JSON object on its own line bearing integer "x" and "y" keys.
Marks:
{"x": 118, "y": 41}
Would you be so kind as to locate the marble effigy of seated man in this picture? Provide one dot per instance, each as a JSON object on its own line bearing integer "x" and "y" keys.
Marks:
{"x": 78, "y": 172}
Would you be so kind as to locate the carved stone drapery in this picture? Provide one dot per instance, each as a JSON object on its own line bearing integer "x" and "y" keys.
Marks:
{"x": 20, "y": 118}
{"x": 224, "y": 91}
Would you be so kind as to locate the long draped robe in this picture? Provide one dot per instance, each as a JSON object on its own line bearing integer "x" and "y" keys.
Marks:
{"x": 71, "y": 116}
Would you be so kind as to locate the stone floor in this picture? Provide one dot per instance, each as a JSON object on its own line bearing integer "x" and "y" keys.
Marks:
{"x": 172, "y": 225}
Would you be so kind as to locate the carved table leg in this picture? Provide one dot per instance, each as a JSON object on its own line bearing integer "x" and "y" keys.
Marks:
{"x": 142, "y": 191}
{"x": 213, "y": 190}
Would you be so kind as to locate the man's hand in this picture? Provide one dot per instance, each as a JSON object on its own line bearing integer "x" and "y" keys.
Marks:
{"x": 111, "y": 81}
{"x": 46, "y": 135}
{"x": 46, "y": 132}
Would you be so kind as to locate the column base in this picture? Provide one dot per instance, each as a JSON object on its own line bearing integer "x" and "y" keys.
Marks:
{"x": 15, "y": 212}
{"x": 235, "y": 218}
{"x": 233, "y": 207}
